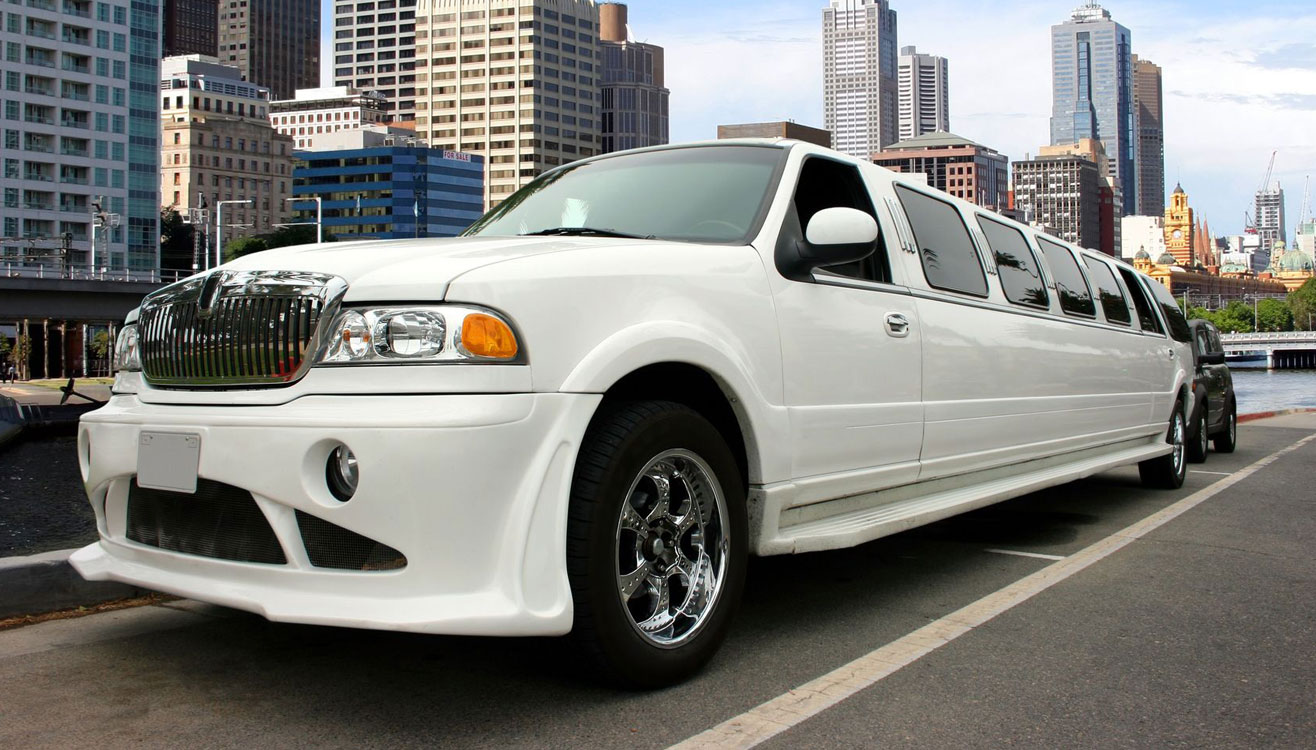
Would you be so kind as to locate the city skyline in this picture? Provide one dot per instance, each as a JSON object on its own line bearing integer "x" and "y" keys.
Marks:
{"x": 743, "y": 62}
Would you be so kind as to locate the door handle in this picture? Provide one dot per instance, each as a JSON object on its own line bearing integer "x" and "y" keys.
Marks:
{"x": 897, "y": 325}
{"x": 1170, "y": 351}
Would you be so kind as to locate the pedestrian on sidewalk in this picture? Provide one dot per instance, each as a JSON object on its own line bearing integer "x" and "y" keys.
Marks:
{"x": 13, "y": 374}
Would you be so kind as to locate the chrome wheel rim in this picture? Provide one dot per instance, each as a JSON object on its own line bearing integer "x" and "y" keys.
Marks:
{"x": 1202, "y": 437}
{"x": 1177, "y": 439}
{"x": 1233, "y": 427}
{"x": 672, "y": 548}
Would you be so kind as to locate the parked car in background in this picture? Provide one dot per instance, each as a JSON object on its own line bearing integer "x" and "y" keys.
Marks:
{"x": 1215, "y": 410}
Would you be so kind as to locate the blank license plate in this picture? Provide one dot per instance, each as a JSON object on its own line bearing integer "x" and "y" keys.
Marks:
{"x": 168, "y": 461}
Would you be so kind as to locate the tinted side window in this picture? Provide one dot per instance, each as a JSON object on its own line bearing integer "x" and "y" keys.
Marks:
{"x": 1112, "y": 299}
{"x": 1201, "y": 341}
{"x": 1141, "y": 303}
{"x": 950, "y": 260}
{"x": 1015, "y": 264}
{"x": 1216, "y": 345}
{"x": 830, "y": 184}
{"x": 1075, "y": 297}
{"x": 1174, "y": 319}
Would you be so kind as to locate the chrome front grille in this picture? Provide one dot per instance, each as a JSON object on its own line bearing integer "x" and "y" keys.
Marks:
{"x": 235, "y": 328}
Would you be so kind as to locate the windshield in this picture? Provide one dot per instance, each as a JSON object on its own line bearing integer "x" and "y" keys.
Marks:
{"x": 704, "y": 194}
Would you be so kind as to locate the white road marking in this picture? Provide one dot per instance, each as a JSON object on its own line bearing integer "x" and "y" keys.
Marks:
{"x": 1217, "y": 473}
{"x": 1017, "y": 553}
{"x": 779, "y": 714}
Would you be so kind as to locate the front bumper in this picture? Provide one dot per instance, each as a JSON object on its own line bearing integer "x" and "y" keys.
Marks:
{"x": 472, "y": 489}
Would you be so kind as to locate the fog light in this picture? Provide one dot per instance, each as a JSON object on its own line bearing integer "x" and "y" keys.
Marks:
{"x": 341, "y": 473}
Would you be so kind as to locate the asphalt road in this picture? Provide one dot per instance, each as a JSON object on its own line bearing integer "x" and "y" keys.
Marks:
{"x": 1199, "y": 634}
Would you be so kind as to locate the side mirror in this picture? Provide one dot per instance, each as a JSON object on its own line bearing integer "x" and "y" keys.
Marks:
{"x": 834, "y": 236}
{"x": 1216, "y": 358}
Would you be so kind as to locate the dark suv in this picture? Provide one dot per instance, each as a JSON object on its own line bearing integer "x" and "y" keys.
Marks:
{"x": 1215, "y": 411}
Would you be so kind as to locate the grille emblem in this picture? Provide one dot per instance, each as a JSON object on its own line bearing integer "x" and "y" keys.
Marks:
{"x": 205, "y": 304}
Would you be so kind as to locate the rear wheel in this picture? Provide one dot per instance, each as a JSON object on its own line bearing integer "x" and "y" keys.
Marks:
{"x": 1227, "y": 440}
{"x": 1197, "y": 447}
{"x": 657, "y": 542}
{"x": 1167, "y": 472}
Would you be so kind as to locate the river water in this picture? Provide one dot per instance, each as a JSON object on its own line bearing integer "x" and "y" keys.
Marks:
{"x": 1260, "y": 389}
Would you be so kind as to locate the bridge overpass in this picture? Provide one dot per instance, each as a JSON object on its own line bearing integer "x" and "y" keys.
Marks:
{"x": 1287, "y": 350}
{"x": 61, "y": 314}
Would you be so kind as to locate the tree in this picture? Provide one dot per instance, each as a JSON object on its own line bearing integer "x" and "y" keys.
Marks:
{"x": 21, "y": 353}
{"x": 1274, "y": 316}
{"x": 241, "y": 246}
{"x": 1302, "y": 303}
{"x": 1236, "y": 317}
{"x": 101, "y": 346}
{"x": 176, "y": 237}
{"x": 301, "y": 234}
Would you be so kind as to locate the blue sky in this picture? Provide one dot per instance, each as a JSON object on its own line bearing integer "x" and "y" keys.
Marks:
{"x": 1240, "y": 78}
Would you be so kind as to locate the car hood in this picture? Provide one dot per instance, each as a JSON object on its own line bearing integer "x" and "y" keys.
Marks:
{"x": 410, "y": 270}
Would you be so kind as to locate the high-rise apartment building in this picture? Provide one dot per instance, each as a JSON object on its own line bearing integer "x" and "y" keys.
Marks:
{"x": 1062, "y": 193}
{"x": 633, "y": 111}
{"x": 924, "y": 94}
{"x": 1092, "y": 91}
{"x": 1147, "y": 108}
{"x": 219, "y": 146}
{"x": 375, "y": 50}
{"x": 1111, "y": 194}
{"x": 953, "y": 164}
{"x": 514, "y": 80}
{"x": 1269, "y": 216}
{"x": 275, "y": 43}
{"x": 860, "y": 90}
{"x": 191, "y": 27}
{"x": 315, "y": 112}
{"x": 81, "y": 132}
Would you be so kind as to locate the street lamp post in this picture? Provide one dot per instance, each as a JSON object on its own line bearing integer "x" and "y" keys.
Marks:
{"x": 219, "y": 228}
{"x": 319, "y": 215}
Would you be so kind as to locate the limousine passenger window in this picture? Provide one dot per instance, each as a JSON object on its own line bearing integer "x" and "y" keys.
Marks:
{"x": 1146, "y": 315}
{"x": 1075, "y": 297}
{"x": 950, "y": 260}
{"x": 1015, "y": 264}
{"x": 1179, "y": 329}
{"x": 830, "y": 184}
{"x": 1112, "y": 299}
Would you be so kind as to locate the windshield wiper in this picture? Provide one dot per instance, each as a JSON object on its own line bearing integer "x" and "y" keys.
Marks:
{"x": 586, "y": 232}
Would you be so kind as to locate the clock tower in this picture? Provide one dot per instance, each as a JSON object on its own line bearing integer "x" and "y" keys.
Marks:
{"x": 1179, "y": 228}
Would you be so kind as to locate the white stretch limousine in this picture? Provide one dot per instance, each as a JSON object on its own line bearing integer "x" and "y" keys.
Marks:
{"x": 585, "y": 413}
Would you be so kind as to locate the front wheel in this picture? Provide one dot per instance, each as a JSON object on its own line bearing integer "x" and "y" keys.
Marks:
{"x": 657, "y": 542}
{"x": 1167, "y": 472}
{"x": 1227, "y": 440}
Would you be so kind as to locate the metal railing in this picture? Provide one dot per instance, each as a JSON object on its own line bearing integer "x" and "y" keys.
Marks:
{"x": 34, "y": 271}
{"x": 1268, "y": 338}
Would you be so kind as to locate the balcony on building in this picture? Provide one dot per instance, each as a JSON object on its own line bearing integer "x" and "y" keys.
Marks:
{"x": 38, "y": 200}
{"x": 75, "y": 63}
{"x": 74, "y": 175}
{"x": 77, "y": 35}
{"x": 79, "y": 8}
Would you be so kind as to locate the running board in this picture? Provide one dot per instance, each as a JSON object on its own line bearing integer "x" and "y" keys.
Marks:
{"x": 863, "y": 518}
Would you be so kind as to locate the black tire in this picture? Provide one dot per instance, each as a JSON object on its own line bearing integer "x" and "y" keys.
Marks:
{"x": 1227, "y": 439}
{"x": 625, "y": 448}
{"x": 1197, "y": 446}
{"x": 1168, "y": 471}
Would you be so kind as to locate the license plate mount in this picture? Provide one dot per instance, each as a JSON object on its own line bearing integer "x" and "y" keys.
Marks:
{"x": 168, "y": 461}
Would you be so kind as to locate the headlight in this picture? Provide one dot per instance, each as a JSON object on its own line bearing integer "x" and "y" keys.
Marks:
{"x": 127, "y": 354}
{"x": 448, "y": 333}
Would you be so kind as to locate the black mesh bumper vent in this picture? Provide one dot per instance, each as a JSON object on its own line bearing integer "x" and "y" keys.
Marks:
{"x": 332, "y": 546}
{"x": 220, "y": 521}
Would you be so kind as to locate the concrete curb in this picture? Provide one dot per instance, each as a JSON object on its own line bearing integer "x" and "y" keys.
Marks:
{"x": 42, "y": 583}
{"x": 1269, "y": 414}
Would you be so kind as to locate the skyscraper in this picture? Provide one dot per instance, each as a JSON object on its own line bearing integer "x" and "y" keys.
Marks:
{"x": 275, "y": 43}
{"x": 1270, "y": 216}
{"x": 191, "y": 27}
{"x": 375, "y": 50}
{"x": 634, "y": 104}
{"x": 81, "y": 143}
{"x": 1151, "y": 137}
{"x": 924, "y": 94}
{"x": 517, "y": 83}
{"x": 1092, "y": 91}
{"x": 860, "y": 91}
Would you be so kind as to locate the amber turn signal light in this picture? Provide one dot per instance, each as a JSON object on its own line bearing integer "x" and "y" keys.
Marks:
{"x": 487, "y": 336}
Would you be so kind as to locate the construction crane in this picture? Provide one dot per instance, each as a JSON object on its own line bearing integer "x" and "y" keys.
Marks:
{"x": 1305, "y": 213}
